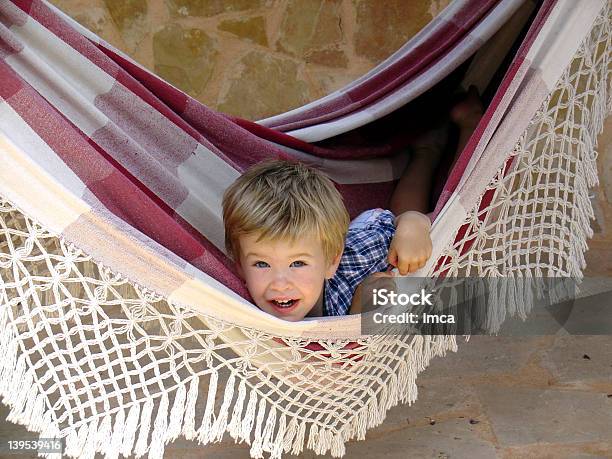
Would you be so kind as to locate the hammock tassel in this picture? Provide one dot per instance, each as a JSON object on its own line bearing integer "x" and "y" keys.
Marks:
{"x": 268, "y": 431}
{"x": 129, "y": 433}
{"x": 176, "y": 414}
{"x": 313, "y": 437}
{"x": 19, "y": 386}
{"x": 103, "y": 435}
{"x": 360, "y": 423}
{"x": 145, "y": 426}
{"x": 156, "y": 450}
{"x": 204, "y": 433}
{"x": 249, "y": 417}
{"x": 190, "y": 407}
{"x": 89, "y": 447}
{"x": 402, "y": 380}
{"x": 75, "y": 441}
{"x": 337, "y": 448}
{"x": 373, "y": 412}
{"x": 220, "y": 424}
{"x": 37, "y": 415}
{"x": 28, "y": 417}
{"x": 278, "y": 445}
{"x": 21, "y": 412}
{"x": 298, "y": 443}
{"x": 49, "y": 430}
{"x": 323, "y": 441}
{"x": 235, "y": 428}
{"x": 382, "y": 404}
{"x": 257, "y": 446}
{"x": 393, "y": 396}
{"x": 290, "y": 434}
{"x": 72, "y": 439}
{"x": 114, "y": 444}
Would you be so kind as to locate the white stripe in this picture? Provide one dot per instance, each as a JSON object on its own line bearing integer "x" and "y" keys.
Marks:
{"x": 559, "y": 38}
{"x": 206, "y": 176}
{"x": 30, "y": 144}
{"x": 66, "y": 79}
{"x": 30, "y": 172}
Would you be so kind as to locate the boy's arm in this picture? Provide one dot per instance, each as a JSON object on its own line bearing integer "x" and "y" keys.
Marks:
{"x": 411, "y": 246}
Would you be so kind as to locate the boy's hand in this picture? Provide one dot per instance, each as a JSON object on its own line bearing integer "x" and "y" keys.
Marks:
{"x": 411, "y": 246}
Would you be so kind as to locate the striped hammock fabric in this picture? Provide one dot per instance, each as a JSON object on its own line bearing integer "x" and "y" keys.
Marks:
{"x": 122, "y": 322}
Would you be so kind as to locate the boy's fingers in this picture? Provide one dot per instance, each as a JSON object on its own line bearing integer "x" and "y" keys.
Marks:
{"x": 392, "y": 257}
{"x": 403, "y": 267}
{"x": 407, "y": 265}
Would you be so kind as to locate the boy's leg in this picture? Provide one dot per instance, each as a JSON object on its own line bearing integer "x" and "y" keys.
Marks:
{"x": 413, "y": 191}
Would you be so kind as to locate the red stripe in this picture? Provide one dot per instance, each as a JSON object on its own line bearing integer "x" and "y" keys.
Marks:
{"x": 11, "y": 82}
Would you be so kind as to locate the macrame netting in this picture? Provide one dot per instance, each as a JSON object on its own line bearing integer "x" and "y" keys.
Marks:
{"x": 113, "y": 367}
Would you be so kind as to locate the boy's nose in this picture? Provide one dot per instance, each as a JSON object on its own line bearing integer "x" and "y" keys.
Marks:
{"x": 280, "y": 281}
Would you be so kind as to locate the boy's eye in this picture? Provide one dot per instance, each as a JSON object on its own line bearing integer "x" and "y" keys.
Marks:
{"x": 298, "y": 264}
{"x": 261, "y": 264}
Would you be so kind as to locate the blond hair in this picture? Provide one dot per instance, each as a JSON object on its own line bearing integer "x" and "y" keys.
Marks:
{"x": 284, "y": 200}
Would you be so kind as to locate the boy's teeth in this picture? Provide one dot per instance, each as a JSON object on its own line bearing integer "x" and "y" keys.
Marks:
{"x": 284, "y": 304}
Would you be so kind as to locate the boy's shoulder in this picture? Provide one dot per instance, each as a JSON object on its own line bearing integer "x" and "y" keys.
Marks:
{"x": 372, "y": 219}
{"x": 365, "y": 252}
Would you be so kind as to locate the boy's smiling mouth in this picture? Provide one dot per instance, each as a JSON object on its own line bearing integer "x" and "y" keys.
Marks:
{"x": 284, "y": 305}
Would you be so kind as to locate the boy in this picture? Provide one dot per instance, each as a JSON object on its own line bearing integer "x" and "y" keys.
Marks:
{"x": 288, "y": 231}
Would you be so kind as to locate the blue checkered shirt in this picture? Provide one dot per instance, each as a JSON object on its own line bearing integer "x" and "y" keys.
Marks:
{"x": 365, "y": 252}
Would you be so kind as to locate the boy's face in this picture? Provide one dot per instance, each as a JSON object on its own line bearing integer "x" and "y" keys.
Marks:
{"x": 285, "y": 278}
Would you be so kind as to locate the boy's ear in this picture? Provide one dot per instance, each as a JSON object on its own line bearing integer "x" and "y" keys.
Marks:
{"x": 333, "y": 266}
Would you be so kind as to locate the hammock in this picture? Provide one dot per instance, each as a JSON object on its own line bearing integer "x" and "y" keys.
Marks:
{"x": 124, "y": 326}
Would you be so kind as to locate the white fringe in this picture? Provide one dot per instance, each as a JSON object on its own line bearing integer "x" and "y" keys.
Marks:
{"x": 103, "y": 434}
{"x": 129, "y": 433}
{"x": 145, "y": 425}
{"x": 91, "y": 440}
{"x": 189, "y": 419}
{"x": 257, "y": 446}
{"x": 176, "y": 414}
{"x": 116, "y": 441}
{"x": 158, "y": 438}
{"x": 298, "y": 444}
{"x": 278, "y": 445}
{"x": 235, "y": 425}
{"x": 249, "y": 417}
{"x": 268, "y": 431}
{"x": 218, "y": 429}
{"x": 204, "y": 433}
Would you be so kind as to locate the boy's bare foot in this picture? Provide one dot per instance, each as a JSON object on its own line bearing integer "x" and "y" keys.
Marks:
{"x": 466, "y": 113}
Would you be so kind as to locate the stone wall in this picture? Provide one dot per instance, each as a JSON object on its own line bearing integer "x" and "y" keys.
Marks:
{"x": 255, "y": 58}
